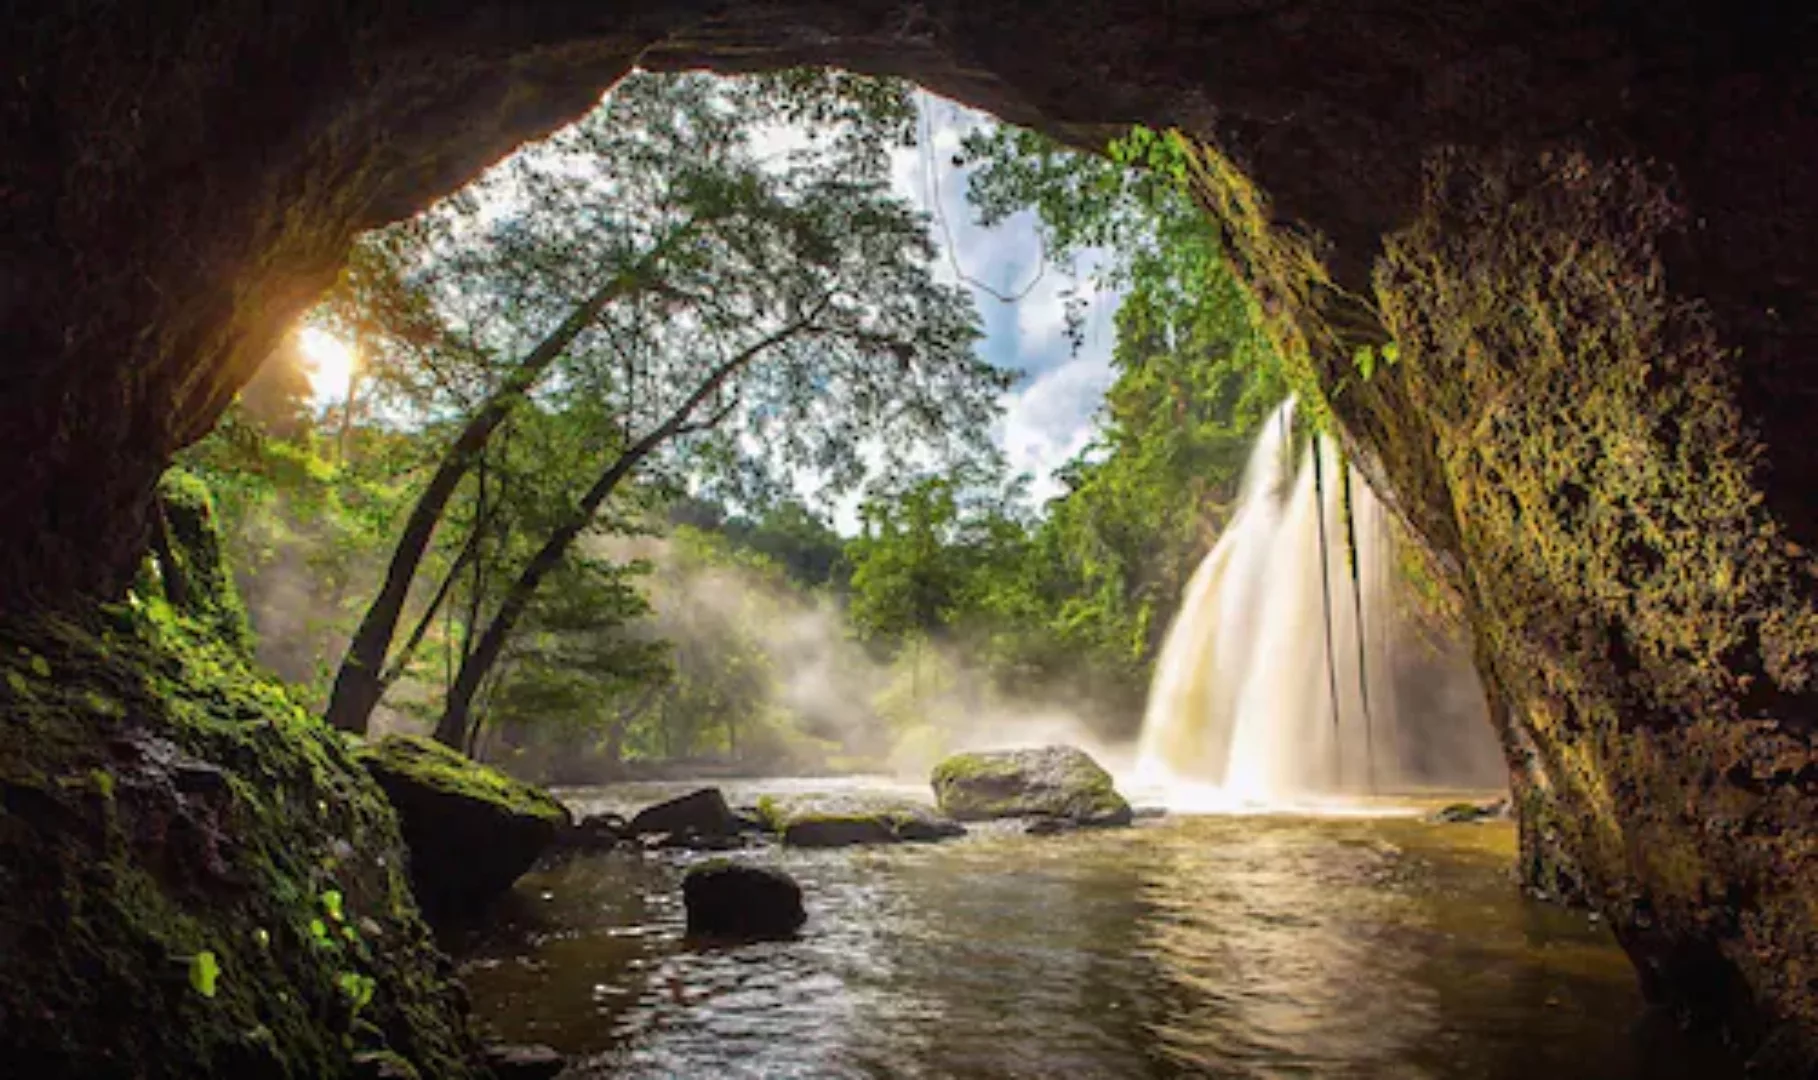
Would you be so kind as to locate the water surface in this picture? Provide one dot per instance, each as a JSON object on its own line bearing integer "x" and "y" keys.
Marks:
{"x": 1219, "y": 946}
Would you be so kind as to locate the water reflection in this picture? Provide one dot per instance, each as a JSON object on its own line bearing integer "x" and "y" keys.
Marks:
{"x": 1211, "y": 946}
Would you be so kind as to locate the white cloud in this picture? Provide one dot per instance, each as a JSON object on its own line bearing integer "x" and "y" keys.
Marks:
{"x": 1052, "y": 414}
{"x": 1053, "y": 418}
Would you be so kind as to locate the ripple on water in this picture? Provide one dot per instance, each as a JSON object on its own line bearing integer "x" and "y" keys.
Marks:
{"x": 1192, "y": 946}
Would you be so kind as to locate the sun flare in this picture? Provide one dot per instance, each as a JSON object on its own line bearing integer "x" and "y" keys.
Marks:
{"x": 330, "y": 361}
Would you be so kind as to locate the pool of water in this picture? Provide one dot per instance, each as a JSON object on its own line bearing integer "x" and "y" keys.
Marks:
{"x": 1220, "y": 946}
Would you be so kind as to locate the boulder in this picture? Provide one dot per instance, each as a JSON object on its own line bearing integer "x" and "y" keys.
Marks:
{"x": 726, "y": 899}
{"x": 596, "y": 832}
{"x": 843, "y": 820}
{"x": 471, "y": 829}
{"x": 702, "y": 813}
{"x": 1051, "y": 781}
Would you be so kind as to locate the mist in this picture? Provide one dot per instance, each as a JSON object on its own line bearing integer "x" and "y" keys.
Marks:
{"x": 862, "y": 708}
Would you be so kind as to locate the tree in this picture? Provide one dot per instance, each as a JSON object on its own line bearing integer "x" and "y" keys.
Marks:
{"x": 662, "y": 256}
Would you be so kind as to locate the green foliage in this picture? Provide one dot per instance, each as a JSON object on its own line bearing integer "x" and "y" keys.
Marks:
{"x": 204, "y": 970}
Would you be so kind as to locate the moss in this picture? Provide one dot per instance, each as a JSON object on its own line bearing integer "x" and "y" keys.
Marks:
{"x": 837, "y": 820}
{"x": 1055, "y": 781}
{"x": 1568, "y": 434}
{"x": 438, "y": 767}
{"x": 163, "y": 800}
{"x": 193, "y": 555}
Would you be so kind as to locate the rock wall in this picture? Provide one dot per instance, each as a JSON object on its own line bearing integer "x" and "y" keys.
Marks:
{"x": 198, "y": 879}
{"x": 1587, "y": 227}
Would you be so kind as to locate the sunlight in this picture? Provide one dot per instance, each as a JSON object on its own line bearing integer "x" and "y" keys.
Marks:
{"x": 331, "y": 364}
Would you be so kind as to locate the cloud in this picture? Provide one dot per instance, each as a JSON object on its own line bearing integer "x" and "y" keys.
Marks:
{"x": 1051, "y": 413}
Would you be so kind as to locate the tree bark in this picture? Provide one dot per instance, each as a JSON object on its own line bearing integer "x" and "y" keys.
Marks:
{"x": 457, "y": 714}
{"x": 360, "y": 681}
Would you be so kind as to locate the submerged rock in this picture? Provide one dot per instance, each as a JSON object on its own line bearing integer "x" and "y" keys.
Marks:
{"x": 702, "y": 813}
{"x": 737, "y": 900}
{"x": 1052, "y": 781}
{"x": 1465, "y": 812}
{"x": 515, "y": 1062}
{"x": 471, "y": 829}
{"x": 844, "y": 820}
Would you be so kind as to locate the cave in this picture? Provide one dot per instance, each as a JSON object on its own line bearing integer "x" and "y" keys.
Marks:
{"x": 1589, "y": 231}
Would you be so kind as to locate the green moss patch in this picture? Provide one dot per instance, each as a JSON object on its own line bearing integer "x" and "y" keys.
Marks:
{"x": 1054, "y": 781}
{"x": 471, "y": 829}
{"x": 199, "y": 879}
{"x": 844, "y": 820}
{"x": 435, "y": 766}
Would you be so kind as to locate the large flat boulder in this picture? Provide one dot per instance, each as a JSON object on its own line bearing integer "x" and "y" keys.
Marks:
{"x": 844, "y": 820}
{"x": 471, "y": 829}
{"x": 1046, "y": 782}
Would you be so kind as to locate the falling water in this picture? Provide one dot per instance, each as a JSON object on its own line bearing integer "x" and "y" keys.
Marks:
{"x": 1241, "y": 704}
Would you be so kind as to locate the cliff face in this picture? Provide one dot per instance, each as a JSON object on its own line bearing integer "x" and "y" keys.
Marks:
{"x": 1588, "y": 228}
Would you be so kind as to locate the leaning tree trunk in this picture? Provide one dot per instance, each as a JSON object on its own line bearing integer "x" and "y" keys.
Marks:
{"x": 360, "y": 682}
{"x": 457, "y": 715}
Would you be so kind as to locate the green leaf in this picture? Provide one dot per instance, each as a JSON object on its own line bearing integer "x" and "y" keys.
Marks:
{"x": 331, "y": 903}
{"x": 40, "y": 667}
{"x": 358, "y": 988}
{"x": 204, "y": 970}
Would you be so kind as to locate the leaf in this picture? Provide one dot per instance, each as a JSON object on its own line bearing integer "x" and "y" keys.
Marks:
{"x": 40, "y": 667}
{"x": 331, "y": 903}
{"x": 204, "y": 970}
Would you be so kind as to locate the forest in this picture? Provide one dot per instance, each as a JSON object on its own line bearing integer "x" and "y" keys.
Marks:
{"x": 553, "y": 470}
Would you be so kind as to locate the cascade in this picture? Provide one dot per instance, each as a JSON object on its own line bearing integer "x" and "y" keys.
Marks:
{"x": 1241, "y": 708}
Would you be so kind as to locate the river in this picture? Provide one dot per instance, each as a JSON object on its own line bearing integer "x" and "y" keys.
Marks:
{"x": 1217, "y": 946}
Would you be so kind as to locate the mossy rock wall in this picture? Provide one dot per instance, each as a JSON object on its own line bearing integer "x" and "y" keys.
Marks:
{"x": 198, "y": 878}
{"x": 1569, "y": 437}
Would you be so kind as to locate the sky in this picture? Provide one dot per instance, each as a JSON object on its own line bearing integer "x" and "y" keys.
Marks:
{"x": 1050, "y": 414}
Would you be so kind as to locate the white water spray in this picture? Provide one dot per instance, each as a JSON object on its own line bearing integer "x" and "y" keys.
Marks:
{"x": 1241, "y": 708}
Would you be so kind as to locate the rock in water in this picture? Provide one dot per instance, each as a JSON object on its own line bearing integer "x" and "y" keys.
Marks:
{"x": 471, "y": 829}
{"x": 844, "y": 820}
{"x": 737, "y": 900}
{"x": 1052, "y": 781}
{"x": 514, "y": 1062}
{"x": 1468, "y": 813}
{"x": 596, "y": 832}
{"x": 702, "y": 813}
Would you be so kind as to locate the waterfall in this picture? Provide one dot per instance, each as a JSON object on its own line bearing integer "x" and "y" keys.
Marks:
{"x": 1241, "y": 703}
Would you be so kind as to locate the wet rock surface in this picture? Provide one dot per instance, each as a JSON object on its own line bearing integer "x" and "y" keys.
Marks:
{"x": 845, "y": 820}
{"x": 516, "y": 1061}
{"x": 471, "y": 829}
{"x": 701, "y": 814}
{"x": 1058, "y": 782}
{"x": 1466, "y": 813}
{"x": 739, "y": 901}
